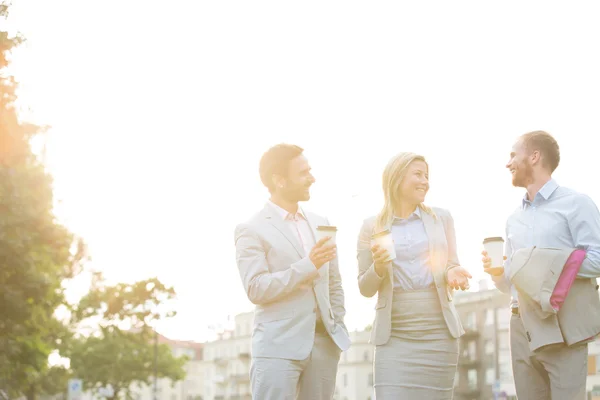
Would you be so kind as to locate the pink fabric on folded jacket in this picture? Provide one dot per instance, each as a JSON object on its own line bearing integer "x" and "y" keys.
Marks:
{"x": 566, "y": 278}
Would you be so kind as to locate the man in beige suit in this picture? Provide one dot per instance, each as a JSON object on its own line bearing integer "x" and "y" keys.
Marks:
{"x": 295, "y": 283}
{"x": 550, "y": 216}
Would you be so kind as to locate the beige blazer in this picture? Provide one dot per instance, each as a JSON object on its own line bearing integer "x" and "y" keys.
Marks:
{"x": 442, "y": 255}
{"x": 287, "y": 289}
{"x": 534, "y": 272}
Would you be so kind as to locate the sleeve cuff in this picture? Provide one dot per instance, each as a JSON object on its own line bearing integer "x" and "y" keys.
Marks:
{"x": 307, "y": 268}
{"x": 448, "y": 268}
{"x": 373, "y": 275}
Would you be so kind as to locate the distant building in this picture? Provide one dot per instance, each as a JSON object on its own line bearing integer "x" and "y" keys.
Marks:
{"x": 227, "y": 365}
{"x": 355, "y": 371}
{"x": 227, "y": 362}
{"x": 191, "y": 388}
{"x": 484, "y": 364}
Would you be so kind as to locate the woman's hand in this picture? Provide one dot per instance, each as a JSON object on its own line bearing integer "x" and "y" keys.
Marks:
{"x": 380, "y": 257}
{"x": 458, "y": 278}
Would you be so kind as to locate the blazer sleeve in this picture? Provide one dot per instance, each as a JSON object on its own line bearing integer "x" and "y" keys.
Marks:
{"x": 261, "y": 285}
{"x": 336, "y": 292}
{"x": 368, "y": 280}
{"x": 451, "y": 240}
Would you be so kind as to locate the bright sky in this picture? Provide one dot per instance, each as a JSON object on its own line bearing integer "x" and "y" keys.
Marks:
{"x": 160, "y": 112}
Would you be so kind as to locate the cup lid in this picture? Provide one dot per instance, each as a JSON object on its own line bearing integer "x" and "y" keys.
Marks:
{"x": 380, "y": 234}
{"x": 493, "y": 239}
{"x": 326, "y": 228}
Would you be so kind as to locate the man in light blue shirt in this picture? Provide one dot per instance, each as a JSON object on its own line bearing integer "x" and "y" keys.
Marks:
{"x": 549, "y": 216}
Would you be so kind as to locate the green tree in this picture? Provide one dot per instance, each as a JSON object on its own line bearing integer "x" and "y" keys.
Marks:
{"x": 121, "y": 351}
{"x": 53, "y": 382}
{"x": 37, "y": 253}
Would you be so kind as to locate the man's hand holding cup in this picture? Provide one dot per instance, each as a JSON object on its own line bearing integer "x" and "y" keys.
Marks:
{"x": 322, "y": 253}
{"x": 493, "y": 256}
{"x": 487, "y": 265}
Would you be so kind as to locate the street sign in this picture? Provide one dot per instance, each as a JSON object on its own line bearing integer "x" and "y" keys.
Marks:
{"x": 106, "y": 391}
{"x": 496, "y": 386}
{"x": 75, "y": 389}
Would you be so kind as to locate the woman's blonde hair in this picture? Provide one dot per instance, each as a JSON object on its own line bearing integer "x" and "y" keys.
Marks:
{"x": 392, "y": 178}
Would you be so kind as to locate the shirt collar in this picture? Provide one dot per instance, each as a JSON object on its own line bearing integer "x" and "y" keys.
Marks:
{"x": 286, "y": 214}
{"x": 546, "y": 191}
{"x": 416, "y": 213}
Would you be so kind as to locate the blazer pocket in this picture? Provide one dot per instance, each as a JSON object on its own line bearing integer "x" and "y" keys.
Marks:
{"x": 381, "y": 303}
{"x": 273, "y": 316}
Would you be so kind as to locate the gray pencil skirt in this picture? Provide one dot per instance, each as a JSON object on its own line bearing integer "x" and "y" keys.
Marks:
{"x": 420, "y": 359}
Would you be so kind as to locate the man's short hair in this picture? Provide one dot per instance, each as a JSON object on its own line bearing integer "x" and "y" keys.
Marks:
{"x": 276, "y": 160}
{"x": 546, "y": 145}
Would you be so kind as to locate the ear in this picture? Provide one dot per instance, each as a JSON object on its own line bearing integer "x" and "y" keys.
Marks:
{"x": 278, "y": 181}
{"x": 535, "y": 157}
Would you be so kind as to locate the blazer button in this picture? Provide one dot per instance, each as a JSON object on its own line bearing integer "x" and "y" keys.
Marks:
{"x": 528, "y": 336}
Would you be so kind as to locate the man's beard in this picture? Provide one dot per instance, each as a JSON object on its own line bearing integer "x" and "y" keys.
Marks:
{"x": 296, "y": 195}
{"x": 523, "y": 176}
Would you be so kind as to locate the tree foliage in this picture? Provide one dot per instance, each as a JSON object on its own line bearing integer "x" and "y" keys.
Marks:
{"x": 121, "y": 352}
{"x": 36, "y": 252}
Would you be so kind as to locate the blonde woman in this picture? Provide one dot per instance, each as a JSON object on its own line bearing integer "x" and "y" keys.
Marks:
{"x": 416, "y": 326}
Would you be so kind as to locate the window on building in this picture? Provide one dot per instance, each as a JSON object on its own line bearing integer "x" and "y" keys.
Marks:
{"x": 472, "y": 378}
{"x": 370, "y": 381}
{"x": 596, "y": 364}
{"x": 503, "y": 314}
{"x": 472, "y": 350}
{"x": 471, "y": 321}
{"x": 490, "y": 376}
{"x": 489, "y": 317}
{"x": 505, "y": 369}
{"x": 503, "y": 341}
{"x": 366, "y": 356}
{"x": 489, "y": 347}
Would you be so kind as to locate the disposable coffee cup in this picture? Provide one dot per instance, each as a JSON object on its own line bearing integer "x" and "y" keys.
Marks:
{"x": 495, "y": 250}
{"x": 325, "y": 231}
{"x": 384, "y": 240}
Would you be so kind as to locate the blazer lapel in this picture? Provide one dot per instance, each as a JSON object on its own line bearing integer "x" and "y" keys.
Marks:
{"x": 312, "y": 223}
{"x": 274, "y": 219}
{"x": 431, "y": 229}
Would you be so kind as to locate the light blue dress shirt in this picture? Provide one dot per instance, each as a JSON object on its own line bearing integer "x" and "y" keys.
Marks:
{"x": 411, "y": 266}
{"x": 557, "y": 217}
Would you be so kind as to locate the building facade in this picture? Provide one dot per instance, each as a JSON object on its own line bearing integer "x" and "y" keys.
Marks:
{"x": 219, "y": 370}
{"x": 355, "y": 371}
{"x": 484, "y": 364}
{"x": 227, "y": 362}
{"x": 190, "y": 388}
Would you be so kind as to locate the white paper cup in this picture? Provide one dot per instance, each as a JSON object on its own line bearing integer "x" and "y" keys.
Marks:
{"x": 495, "y": 250}
{"x": 325, "y": 231}
{"x": 384, "y": 240}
